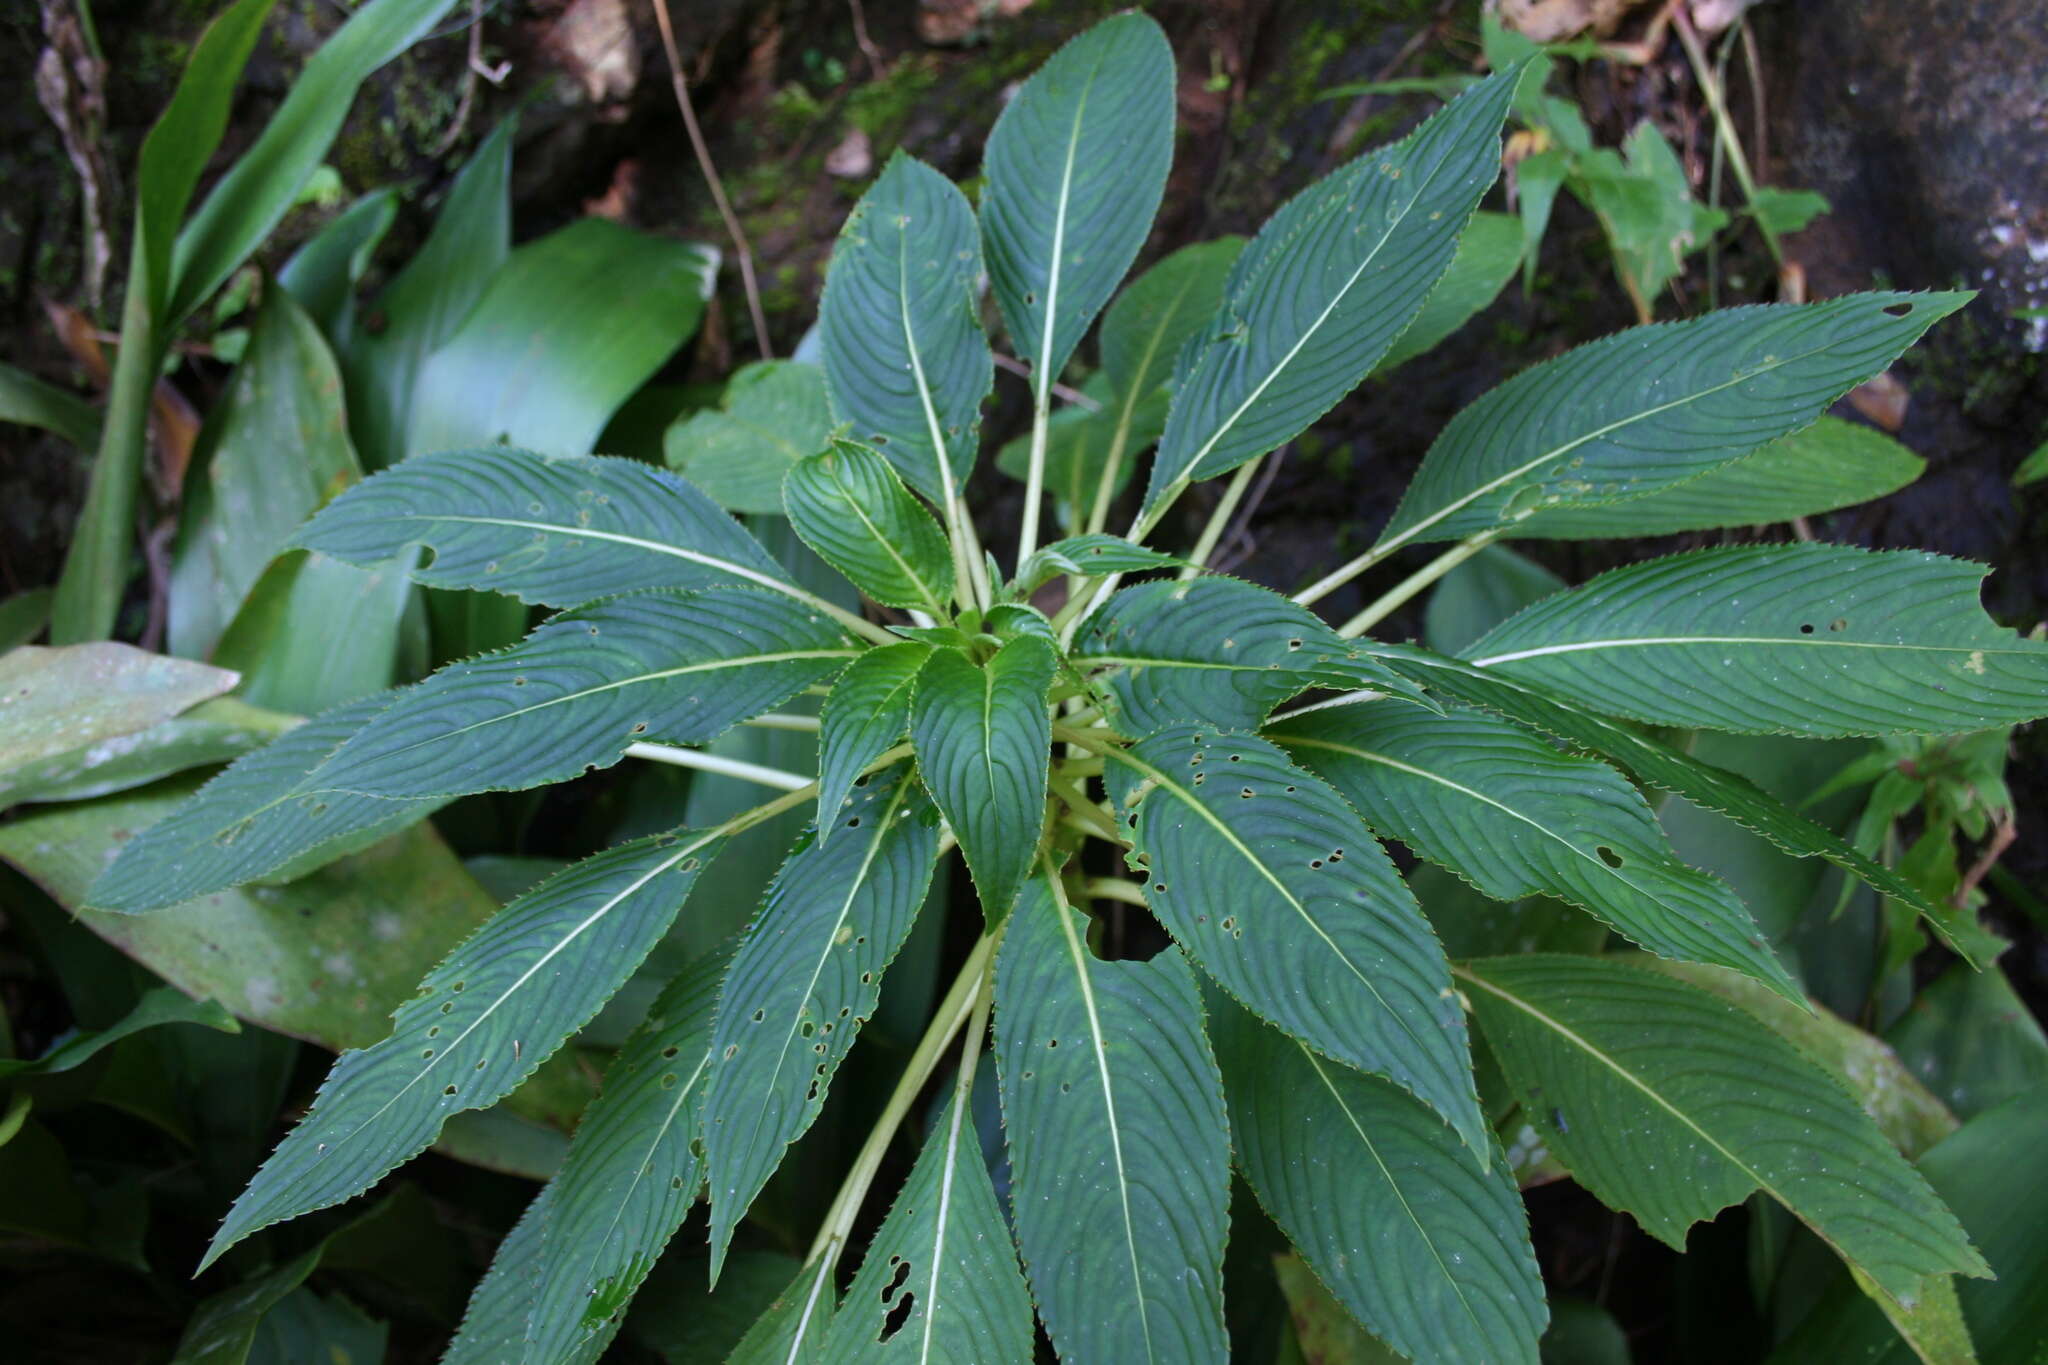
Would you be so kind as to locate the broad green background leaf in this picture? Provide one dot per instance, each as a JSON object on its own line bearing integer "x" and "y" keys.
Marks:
{"x": 965, "y": 1298}
{"x": 493, "y": 1327}
{"x": 792, "y": 1330}
{"x": 806, "y": 977}
{"x": 554, "y": 529}
{"x": 1643, "y": 200}
{"x": 174, "y": 153}
{"x": 1971, "y": 1038}
{"x": 1652, "y": 407}
{"x": 906, "y": 360}
{"x": 23, "y": 617}
{"x": 561, "y": 336}
{"x": 496, "y": 1008}
{"x": 1073, "y": 171}
{"x": 1792, "y": 639}
{"x": 1428, "y": 1251}
{"x": 223, "y": 1329}
{"x": 86, "y": 697}
{"x": 1320, "y": 1329}
{"x": 1831, "y": 464}
{"x": 1480, "y": 594}
{"x": 326, "y": 958}
{"x": 285, "y": 663}
{"x": 1513, "y": 816}
{"x": 2007, "y": 1218}
{"x": 1080, "y": 443}
{"x": 682, "y": 1319}
{"x": 773, "y": 413}
{"x": 849, "y": 506}
{"x": 1119, "y": 1148}
{"x": 279, "y": 448}
{"x": 1218, "y": 650}
{"x": 1326, "y": 287}
{"x": 36, "y": 403}
{"x": 1155, "y": 315}
{"x": 1670, "y": 1104}
{"x": 984, "y": 741}
{"x": 427, "y": 300}
{"x": 322, "y": 275}
{"x": 212, "y": 732}
{"x": 1277, "y": 890}
{"x": 867, "y": 712}
{"x": 236, "y": 828}
{"x": 631, "y": 1174}
{"x": 664, "y": 666}
{"x": 256, "y": 192}
{"x": 161, "y": 1005}
{"x": 1488, "y": 252}
{"x": 1659, "y": 765}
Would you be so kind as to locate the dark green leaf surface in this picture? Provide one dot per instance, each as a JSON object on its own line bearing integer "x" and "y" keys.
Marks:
{"x": 1326, "y": 287}
{"x": 793, "y": 1328}
{"x": 1829, "y": 465}
{"x": 322, "y": 275}
{"x": 1216, "y": 649}
{"x": 773, "y": 413}
{"x": 984, "y": 740}
{"x": 867, "y": 712}
{"x": 1660, "y": 765}
{"x": 1671, "y": 1104}
{"x": 493, "y": 1328}
{"x": 1652, "y": 407}
{"x": 849, "y": 506}
{"x": 1427, "y": 1250}
{"x": 160, "y": 1005}
{"x": 906, "y": 361}
{"x": 1277, "y": 890}
{"x": 1158, "y": 313}
{"x": 236, "y": 828}
{"x": 33, "y": 402}
{"x": 483, "y": 1020}
{"x": 1480, "y": 594}
{"x": 807, "y": 975}
{"x": 629, "y": 1177}
{"x": 560, "y": 530}
{"x": 1074, "y": 169}
{"x": 1805, "y": 639}
{"x": 1515, "y": 817}
{"x": 561, "y": 336}
{"x": 939, "y": 1281}
{"x": 1119, "y": 1148}
{"x": 679, "y": 667}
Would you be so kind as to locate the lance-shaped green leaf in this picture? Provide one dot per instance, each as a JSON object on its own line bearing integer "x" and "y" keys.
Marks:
{"x": 558, "y": 530}
{"x": 629, "y": 1177}
{"x": 1074, "y": 169}
{"x": 1326, "y": 287}
{"x": 1829, "y": 465}
{"x": 1788, "y": 639}
{"x": 772, "y": 414}
{"x": 1652, "y": 407}
{"x": 681, "y": 667}
{"x": 1157, "y": 314}
{"x": 849, "y": 506}
{"x": 236, "y": 828}
{"x": 906, "y": 361}
{"x": 1660, "y": 765}
{"x": 75, "y": 697}
{"x": 984, "y": 741}
{"x": 1090, "y": 556}
{"x": 159, "y": 1005}
{"x": 1671, "y": 1104}
{"x": 939, "y": 1281}
{"x": 1278, "y": 890}
{"x": 792, "y": 1330}
{"x": 1217, "y": 649}
{"x": 866, "y": 713}
{"x": 485, "y": 1018}
{"x": 1428, "y": 1251}
{"x": 806, "y": 977}
{"x": 1514, "y": 817}
{"x": 1119, "y": 1148}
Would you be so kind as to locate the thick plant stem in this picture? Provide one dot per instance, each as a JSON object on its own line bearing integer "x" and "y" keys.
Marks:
{"x": 725, "y": 767}
{"x": 1034, "y": 480}
{"x": 1219, "y": 520}
{"x": 1086, "y": 812}
{"x": 1114, "y": 889}
{"x": 1414, "y": 583}
{"x": 963, "y": 1000}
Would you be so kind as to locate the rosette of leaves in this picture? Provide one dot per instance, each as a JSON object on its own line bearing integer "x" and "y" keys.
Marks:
{"x": 1191, "y": 751}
